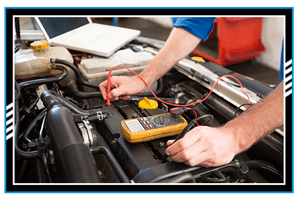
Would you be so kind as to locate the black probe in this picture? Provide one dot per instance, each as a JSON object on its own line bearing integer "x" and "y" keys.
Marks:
{"x": 186, "y": 129}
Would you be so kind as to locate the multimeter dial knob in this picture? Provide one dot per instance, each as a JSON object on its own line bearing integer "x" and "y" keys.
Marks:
{"x": 160, "y": 120}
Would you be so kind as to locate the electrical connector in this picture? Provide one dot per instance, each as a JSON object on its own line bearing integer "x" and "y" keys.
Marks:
{"x": 176, "y": 112}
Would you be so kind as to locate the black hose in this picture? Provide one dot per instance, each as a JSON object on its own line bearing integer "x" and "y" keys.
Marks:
{"x": 21, "y": 153}
{"x": 75, "y": 163}
{"x": 48, "y": 96}
{"x": 76, "y": 71}
{"x": 40, "y": 173}
{"x": 40, "y": 116}
{"x": 43, "y": 154}
{"x": 37, "y": 82}
{"x": 44, "y": 160}
{"x": 27, "y": 154}
{"x": 28, "y": 110}
{"x": 220, "y": 178}
{"x": 265, "y": 166}
{"x": 17, "y": 47}
{"x": 17, "y": 27}
{"x": 17, "y": 118}
{"x": 203, "y": 111}
{"x": 160, "y": 86}
{"x": 157, "y": 92}
{"x": 220, "y": 107}
{"x": 181, "y": 178}
{"x": 79, "y": 94}
{"x": 164, "y": 177}
{"x": 33, "y": 103}
{"x": 237, "y": 112}
{"x": 113, "y": 162}
{"x": 42, "y": 128}
{"x": 18, "y": 91}
{"x": 21, "y": 170}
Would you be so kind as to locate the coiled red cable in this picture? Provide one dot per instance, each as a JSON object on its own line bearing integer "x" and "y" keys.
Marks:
{"x": 186, "y": 105}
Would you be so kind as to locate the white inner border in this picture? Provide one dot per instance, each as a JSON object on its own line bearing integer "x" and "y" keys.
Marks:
{"x": 148, "y": 183}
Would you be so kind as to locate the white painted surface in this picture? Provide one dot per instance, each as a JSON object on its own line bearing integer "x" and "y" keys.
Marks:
{"x": 163, "y": 21}
{"x": 272, "y": 36}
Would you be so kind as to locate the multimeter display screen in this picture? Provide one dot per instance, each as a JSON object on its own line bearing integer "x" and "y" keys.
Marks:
{"x": 134, "y": 126}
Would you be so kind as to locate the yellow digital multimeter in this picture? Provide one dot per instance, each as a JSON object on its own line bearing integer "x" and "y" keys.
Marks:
{"x": 153, "y": 127}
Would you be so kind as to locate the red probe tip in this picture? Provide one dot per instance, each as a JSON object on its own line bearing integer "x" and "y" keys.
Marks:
{"x": 108, "y": 103}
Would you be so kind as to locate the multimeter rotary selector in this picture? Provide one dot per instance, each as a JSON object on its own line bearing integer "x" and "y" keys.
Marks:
{"x": 153, "y": 127}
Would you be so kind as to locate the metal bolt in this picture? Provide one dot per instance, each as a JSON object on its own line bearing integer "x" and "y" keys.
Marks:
{"x": 114, "y": 141}
{"x": 161, "y": 144}
{"x": 237, "y": 162}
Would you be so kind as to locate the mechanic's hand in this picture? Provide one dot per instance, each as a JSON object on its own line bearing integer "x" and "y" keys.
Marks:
{"x": 122, "y": 87}
{"x": 204, "y": 146}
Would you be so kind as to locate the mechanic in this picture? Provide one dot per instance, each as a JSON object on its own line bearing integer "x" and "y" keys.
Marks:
{"x": 203, "y": 145}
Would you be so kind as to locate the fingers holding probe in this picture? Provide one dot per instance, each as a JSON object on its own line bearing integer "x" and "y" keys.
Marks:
{"x": 203, "y": 146}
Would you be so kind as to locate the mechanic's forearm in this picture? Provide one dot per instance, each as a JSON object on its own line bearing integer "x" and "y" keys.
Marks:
{"x": 180, "y": 43}
{"x": 258, "y": 121}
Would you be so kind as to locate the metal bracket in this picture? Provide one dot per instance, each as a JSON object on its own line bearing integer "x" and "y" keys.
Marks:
{"x": 100, "y": 115}
{"x": 88, "y": 133}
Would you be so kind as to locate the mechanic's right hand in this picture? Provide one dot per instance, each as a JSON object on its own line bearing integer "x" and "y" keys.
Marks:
{"x": 122, "y": 87}
{"x": 204, "y": 146}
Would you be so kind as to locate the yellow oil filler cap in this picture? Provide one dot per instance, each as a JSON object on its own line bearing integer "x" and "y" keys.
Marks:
{"x": 148, "y": 104}
{"x": 198, "y": 59}
{"x": 39, "y": 45}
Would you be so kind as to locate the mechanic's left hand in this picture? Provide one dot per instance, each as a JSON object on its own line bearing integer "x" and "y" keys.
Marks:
{"x": 204, "y": 146}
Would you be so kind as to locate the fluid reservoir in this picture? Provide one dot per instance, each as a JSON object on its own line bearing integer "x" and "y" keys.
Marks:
{"x": 35, "y": 62}
{"x": 96, "y": 69}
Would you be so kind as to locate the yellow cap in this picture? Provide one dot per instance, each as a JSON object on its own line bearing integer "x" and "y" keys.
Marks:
{"x": 39, "y": 45}
{"x": 198, "y": 59}
{"x": 148, "y": 104}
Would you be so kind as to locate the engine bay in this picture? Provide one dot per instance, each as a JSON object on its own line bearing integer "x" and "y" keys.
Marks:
{"x": 65, "y": 132}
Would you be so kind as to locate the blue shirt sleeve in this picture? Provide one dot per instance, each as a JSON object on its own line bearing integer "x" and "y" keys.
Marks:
{"x": 280, "y": 77}
{"x": 198, "y": 26}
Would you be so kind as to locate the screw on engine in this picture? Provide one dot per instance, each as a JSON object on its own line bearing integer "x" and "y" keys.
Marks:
{"x": 114, "y": 141}
{"x": 237, "y": 162}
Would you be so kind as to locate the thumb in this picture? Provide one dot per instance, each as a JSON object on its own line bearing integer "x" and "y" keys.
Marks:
{"x": 170, "y": 142}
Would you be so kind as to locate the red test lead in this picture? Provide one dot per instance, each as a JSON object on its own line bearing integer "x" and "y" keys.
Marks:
{"x": 186, "y": 105}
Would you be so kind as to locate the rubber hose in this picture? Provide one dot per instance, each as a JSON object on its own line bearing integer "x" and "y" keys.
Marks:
{"x": 157, "y": 92}
{"x": 113, "y": 162}
{"x": 220, "y": 107}
{"x": 33, "y": 123}
{"x": 21, "y": 153}
{"x": 38, "y": 82}
{"x": 263, "y": 166}
{"x": 79, "y": 94}
{"x": 76, "y": 71}
{"x": 219, "y": 179}
{"x": 18, "y": 91}
{"x": 40, "y": 173}
{"x": 49, "y": 96}
{"x": 181, "y": 178}
{"x": 28, "y": 110}
{"x": 74, "y": 160}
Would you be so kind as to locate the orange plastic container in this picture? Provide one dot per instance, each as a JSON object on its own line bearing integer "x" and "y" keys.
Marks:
{"x": 239, "y": 39}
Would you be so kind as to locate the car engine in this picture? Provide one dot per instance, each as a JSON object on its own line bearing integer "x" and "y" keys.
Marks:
{"x": 65, "y": 132}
